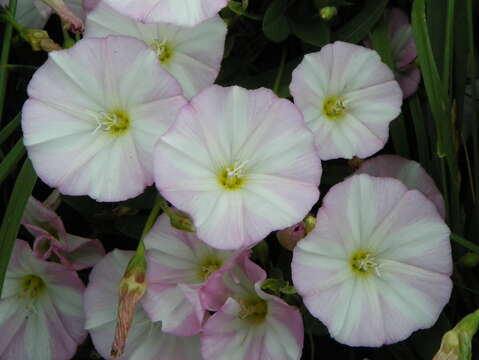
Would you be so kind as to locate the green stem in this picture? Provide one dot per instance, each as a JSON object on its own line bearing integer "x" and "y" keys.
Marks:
{"x": 7, "y": 38}
{"x": 446, "y": 71}
{"x": 10, "y": 128}
{"x": 159, "y": 204}
{"x": 279, "y": 75}
{"x": 419, "y": 122}
{"x": 465, "y": 243}
{"x": 311, "y": 345}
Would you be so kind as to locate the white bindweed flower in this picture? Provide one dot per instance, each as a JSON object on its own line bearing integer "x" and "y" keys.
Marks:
{"x": 179, "y": 266}
{"x": 192, "y": 55}
{"x": 93, "y": 116}
{"x": 241, "y": 162}
{"x": 348, "y": 98}
{"x": 183, "y": 13}
{"x": 145, "y": 339}
{"x": 376, "y": 267}
{"x": 41, "y": 311}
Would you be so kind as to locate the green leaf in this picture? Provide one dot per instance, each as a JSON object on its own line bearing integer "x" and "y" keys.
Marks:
{"x": 359, "y": 27}
{"x": 465, "y": 243}
{"x": 275, "y": 24}
{"x": 12, "y": 158}
{"x": 9, "y": 128}
{"x": 13, "y": 215}
{"x": 315, "y": 31}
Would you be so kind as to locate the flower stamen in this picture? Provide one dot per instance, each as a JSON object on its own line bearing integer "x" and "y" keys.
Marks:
{"x": 233, "y": 177}
{"x": 334, "y": 108}
{"x": 363, "y": 263}
{"x": 163, "y": 50}
{"x": 114, "y": 123}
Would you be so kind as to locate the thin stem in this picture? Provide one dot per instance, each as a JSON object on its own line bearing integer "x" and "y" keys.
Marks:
{"x": 448, "y": 43}
{"x": 311, "y": 345}
{"x": 279, "y": 75}
{"x": 465, "y": 243}
{"x": 7, "y": 38}
{"x": 159, "y": 203}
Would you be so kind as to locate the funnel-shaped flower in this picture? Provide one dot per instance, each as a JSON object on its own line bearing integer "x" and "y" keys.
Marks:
{"x": 192, "y": 55}
{"x": 183, "y": 13}
{"x": 145, "y": 340}
{"x": 41, "y": 312}
{"x": 376, "y": 267}
{"x": 94, "y": 114}
{"x": 241, "y": 162}
{"x": 409, "y": 172}
{"x": 249, "y": 324}
{"x": 348, "y": 98}
{"x": 53, "y": 242}
{"x": 179, "y": 266}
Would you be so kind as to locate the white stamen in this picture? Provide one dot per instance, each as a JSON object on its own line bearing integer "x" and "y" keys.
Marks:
{"x": 105, "y": 121}
{"x": 369, "y": 262}
{"x": 237, "y": 170}
{"x": 158, "y": 46}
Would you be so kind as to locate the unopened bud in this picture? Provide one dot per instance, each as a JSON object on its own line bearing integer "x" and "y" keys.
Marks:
{"x": 180, "y": 220}
{"x": 132, "y": 288}
{"x": 328, "y": 12}
{"x": 289, "y": 237}
{"x": 456, "y": 344}
{"x": 40, "y": 40}
{"x": 309, "y": 223}
{"x": 72, "y": 22}
{"x": 469, "y": 260}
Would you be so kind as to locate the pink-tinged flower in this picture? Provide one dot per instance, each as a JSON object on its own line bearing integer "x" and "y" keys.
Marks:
{"x": 41, "y": 311}
{"x": 241, "y": 162}
{"x": 183, "y": 13}
{"x": 249, "y": 324}
{"x": 179, "y": 266}
{"x": 376, "y": 267}
{"x": 403, "y": 51}
{"x": 348, "y": 98}
{"x": 289, "y": 237}
{"x": 145, "y": 340}
{"x": 192, "y": 55}
{"x": 409, "y": 172}
{"x": 53, "y": 242}
{"x": 94, "y": 114}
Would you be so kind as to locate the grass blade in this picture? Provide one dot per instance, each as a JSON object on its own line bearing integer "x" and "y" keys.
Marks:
{"x": 12, "y": 158}
{"x": 11, "y": 221}
{"x": 9, "y": 128}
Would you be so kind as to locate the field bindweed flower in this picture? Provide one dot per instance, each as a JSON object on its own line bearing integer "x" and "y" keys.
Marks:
{"x": 41, "y": 313}
{"x": 348, "y": 98}
{"x": 241, "y": 163}
{"x": 179, "y": 266}
{"x": 192, "y": 55}
{"x": 94, "y": 114}
{"x": 403, "y": 51}
{"x": 376, "y": 267}
{"x": 183, "y": 13}
{"x": 409, "y": 172}
{"x": 53, "y": 242}
{"x": 249, "y": 324}
{"x": 146, "y": 341}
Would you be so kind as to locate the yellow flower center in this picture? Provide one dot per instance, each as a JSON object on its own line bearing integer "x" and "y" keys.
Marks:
{"x": 208, "y": 266}
{"x": 232, "y": 177}
{"x": 163, "y": 50}
{"x": 253, "y": 309}
{"x": 334, "y": 108}
{"x": 32, "y": 286}
{"x": 364, "y": 263}
{"x": 116, "y": 122}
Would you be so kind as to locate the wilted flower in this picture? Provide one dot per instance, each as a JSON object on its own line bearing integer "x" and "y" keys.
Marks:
{"x": 241, "y": 163}
{"x": 41, "y": 309}
{"x": 249, "y": 324}
{"x": 94, "y": 114}
{"x": 192, "y": 55}
{"x": 53, "y": 242}
{"x": 409, "y": 172}
{"x": 348, "y": 98}
{"x": 376, "y": 267}
{"x": 179, "y": 265}
{"x": 145, "y": 340}
{"x": 183, "y": 13}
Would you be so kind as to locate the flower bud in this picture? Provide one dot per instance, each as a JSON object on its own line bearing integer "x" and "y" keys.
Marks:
{"x": 39, "y": 40}
{"x": 289, "y": 237}
{"x": 309, "y": 223}
{"x": 180, "y": 220}
{"x": 469, "y": 260}
{"x": 328, "y": 12}
{"x": 132, "y": 288}
{"x": 456, "y": 344}
{"x": 355, "y": 163}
